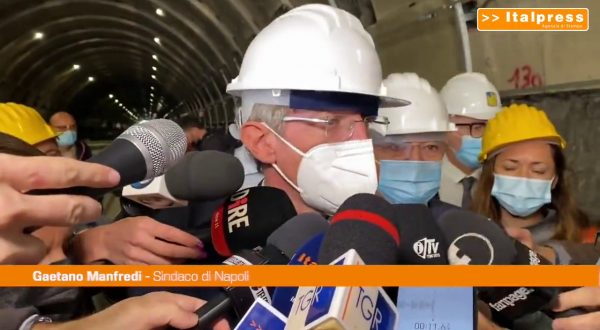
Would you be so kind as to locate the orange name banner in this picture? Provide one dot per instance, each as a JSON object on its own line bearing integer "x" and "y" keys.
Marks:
{"x": 533, "y": 19}
{"x": 222, "y": 276}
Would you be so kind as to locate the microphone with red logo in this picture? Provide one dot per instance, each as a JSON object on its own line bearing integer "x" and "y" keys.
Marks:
{"x": 246, "y": 219}
{"x": 359, "y": 222}
{"x": 476, "y": 240}
{"x": 279, "y": 247}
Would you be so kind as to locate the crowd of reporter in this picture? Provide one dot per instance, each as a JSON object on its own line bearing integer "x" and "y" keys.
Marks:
{"x": 412, "y": 145}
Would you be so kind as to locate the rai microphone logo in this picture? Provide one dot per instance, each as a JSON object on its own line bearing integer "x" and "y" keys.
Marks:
{"x": 533, "y": 19}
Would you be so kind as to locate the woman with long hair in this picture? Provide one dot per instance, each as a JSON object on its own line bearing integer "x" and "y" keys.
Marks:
{"x": 524, "y": 182}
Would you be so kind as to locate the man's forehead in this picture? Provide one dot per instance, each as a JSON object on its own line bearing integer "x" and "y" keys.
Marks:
{"x": 466, "y": 120}
{"x": 325, "y": 113}
{"x": 62, "y": 118}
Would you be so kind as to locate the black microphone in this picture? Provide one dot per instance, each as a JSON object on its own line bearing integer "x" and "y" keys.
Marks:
{"x": 247, "y": 218}
{"x": 279, "y": 248}
{"x": 145, "y": 150}
{"x": 198, "y": 176}
{"x": 423, "y": 242}
{"x": 367, "y": 224}
{"x": 205, "y": 175}
{"x": 476, "y": 240}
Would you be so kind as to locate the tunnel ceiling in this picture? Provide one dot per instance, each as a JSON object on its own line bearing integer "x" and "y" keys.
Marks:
{"x": 114, "y": 62}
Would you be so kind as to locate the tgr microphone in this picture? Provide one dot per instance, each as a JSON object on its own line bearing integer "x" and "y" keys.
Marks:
{"x": 480, "y": 241}
{"x": 342, "y": 308}
{"x": 145, "y": 150}
{"x": 198, "y": 176}
{"x": 422, "y": 243}
{"x": 307, "y": 255}
{"x": 280, "y": 245}
{"x": 366, "y": 223}
{"x": 247, "y": 218}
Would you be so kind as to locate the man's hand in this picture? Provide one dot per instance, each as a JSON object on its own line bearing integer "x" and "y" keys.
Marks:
{"x": 137, "y": 240}
{"x": 155, "y": 310}
{"x": 19, "y": 211}
{"x": 54, "y": 239}
{"x": 588, "y": 298}
{"x": 483, "y": 323}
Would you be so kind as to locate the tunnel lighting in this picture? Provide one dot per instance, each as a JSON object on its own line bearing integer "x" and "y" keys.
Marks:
{"x": 152, "y": 87}
{"x": 90, "y": 79}
{"x": 120, "y": 104}
{"x": 160, "y": 12}
{"x": 38, "y": 36}
{"x": 151, "y": 94}
{"x": 153, "y": 76}
{"x": 154, "y": 68}
{"x": 155, "y": 57}
{"x": 157, "y": 40}
{"x": 116, "y": 100}
{"x": 110, "y": 96}
{"x": 76, "y": 66}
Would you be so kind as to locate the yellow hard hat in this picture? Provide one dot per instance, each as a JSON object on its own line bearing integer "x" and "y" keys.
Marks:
{"x": 516, "y": 123}
{"x": 24, "y": 123}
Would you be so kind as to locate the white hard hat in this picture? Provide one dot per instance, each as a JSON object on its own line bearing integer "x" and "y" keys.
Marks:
{"x": 425, "y": 114}
{"x": 471, "y": 95}
{"x": 313, "y": 47}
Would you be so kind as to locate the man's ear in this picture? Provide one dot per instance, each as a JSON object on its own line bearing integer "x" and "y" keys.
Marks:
{"x": 260, "y": 141}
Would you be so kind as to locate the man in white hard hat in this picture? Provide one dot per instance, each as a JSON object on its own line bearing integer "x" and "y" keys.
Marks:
{"x": 410, "y": 142}
{"x": 306, "y": 83}
{"x": 471, "y": 100}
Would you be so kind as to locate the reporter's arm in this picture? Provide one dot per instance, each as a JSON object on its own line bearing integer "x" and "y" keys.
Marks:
{"x": 588, "y": 298}
{"x": 148, "y": 312}
{"x": 136, "y": 240}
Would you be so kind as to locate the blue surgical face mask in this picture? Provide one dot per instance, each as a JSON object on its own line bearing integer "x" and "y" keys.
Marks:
{"x": 67, "y": 139}
{"x": 521, "y": 197}
{"x": 409, "y": 182}
{"x": 469, "y": 151}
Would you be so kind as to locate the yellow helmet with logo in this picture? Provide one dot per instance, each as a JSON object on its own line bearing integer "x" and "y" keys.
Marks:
{"x": 24, "y": 123}
{"x": 516, "y": 123}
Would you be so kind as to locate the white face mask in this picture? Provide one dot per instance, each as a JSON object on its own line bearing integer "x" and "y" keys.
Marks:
{"x": 330, "y": 173}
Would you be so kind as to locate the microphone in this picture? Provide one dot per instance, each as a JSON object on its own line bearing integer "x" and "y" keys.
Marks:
{"x": 423, "y": 242}
{"x": 476, "y": 240}
{"x": 280, "y": 245}
{"x": 308, "y": 254}
{"x": 198, "y": 176}
{"x": 247, "y": 218}
{"x": 366, "y": 223}
{"x": 145, "y": 150}
{"x": 343, "y": 307}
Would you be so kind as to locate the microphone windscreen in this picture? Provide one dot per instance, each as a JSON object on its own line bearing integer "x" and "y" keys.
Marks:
{"x": 366, "y": 223}
{"x": 423, "y": 242}
{"x": 248, "y": 217}
{"x": 205, "y": 175}
{"x": 475, "y": 240}
{"x": 295, "y": 232}
{"x": 161, "y": 143}
{"x": 145, "y": 150}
